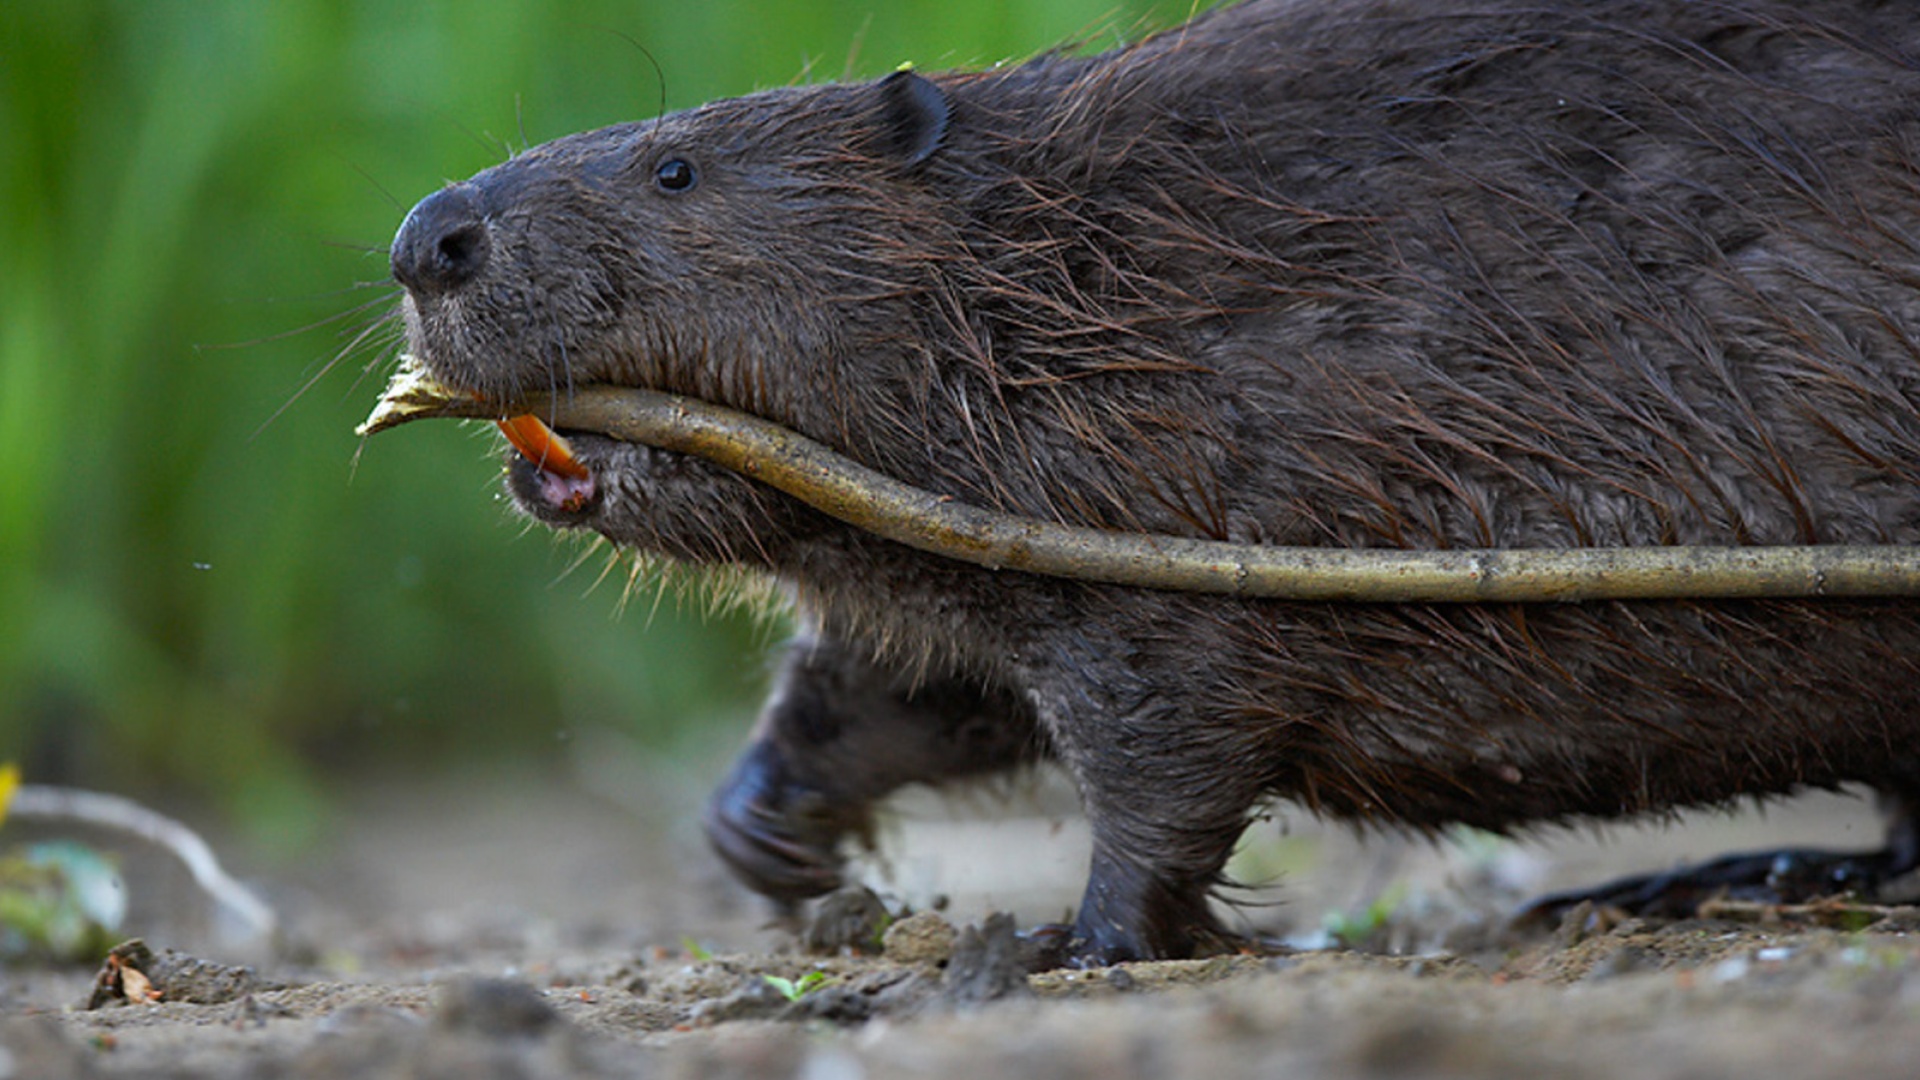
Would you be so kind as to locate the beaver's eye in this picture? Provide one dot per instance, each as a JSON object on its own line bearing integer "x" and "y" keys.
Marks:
{"x": 674, "y": 174}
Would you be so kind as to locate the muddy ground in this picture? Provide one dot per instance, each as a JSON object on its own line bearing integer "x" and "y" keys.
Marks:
{"x": 568, "y": 922}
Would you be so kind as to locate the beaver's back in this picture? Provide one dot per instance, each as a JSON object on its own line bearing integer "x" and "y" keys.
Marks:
{"x": 1367, "y": 274}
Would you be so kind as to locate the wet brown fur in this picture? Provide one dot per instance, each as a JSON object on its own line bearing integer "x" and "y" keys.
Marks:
{"x": 1357, "y": 273}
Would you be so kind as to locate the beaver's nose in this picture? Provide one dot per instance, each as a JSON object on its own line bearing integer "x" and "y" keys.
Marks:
{"x": 443, "y": 243}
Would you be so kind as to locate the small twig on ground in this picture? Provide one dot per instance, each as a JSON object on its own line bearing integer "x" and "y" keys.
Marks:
{"x": 1839, "y": 913}
{"x": 124, "y": 815}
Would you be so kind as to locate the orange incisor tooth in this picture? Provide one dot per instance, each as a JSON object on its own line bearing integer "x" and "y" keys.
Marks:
{"x": 539, "y": 444}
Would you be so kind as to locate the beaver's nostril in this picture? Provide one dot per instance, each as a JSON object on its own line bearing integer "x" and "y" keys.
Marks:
{"x": 443, "y": 243}
{"x": 461, "y": 252}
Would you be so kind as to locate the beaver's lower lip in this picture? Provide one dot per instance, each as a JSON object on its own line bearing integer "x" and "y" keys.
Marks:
{"x": 565, "y": 483}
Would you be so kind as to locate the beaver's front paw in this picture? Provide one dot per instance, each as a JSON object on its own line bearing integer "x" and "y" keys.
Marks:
{"x": 780, "y": 836}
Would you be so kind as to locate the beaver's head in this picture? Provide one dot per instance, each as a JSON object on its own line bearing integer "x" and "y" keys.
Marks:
{"x": 730, "y": 253}
{"x": 689, "y": 253}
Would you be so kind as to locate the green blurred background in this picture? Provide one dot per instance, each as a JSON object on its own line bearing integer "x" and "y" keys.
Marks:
{"x": 209, "y": 590}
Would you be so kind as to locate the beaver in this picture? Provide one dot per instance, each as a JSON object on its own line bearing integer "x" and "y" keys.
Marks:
{"x": 1353, "y": 273}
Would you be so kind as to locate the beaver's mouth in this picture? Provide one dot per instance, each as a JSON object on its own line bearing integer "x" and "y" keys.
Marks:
{"x": 566, "y": 483}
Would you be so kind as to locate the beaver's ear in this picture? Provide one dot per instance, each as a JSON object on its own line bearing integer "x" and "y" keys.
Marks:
{"x": 912, "y": 118}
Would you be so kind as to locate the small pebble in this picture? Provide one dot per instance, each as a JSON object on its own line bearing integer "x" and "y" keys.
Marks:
{"x": 1732, "y": 969}
{"x": 494, "y": 1007}
{"x": 920, "y": 938}
{"x": 848, "y": 920}
{"x": 1574, "y": 925}
{"x": 1622, "y": 961}
{"x": 987, "y": 964}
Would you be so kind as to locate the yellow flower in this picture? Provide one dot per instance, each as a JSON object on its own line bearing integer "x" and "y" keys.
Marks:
{"x": 9, "y": 781}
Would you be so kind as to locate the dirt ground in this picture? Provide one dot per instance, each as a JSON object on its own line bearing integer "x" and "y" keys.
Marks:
{"x": 570, "y": 923}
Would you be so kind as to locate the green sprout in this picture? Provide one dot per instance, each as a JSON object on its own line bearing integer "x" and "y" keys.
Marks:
{"x": 59, "y": 900}
{"x": 1352, "y": 930}
{"x": 794, "y": 990}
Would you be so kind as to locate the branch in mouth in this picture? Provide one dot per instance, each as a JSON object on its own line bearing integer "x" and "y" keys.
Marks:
{"x": 845, "y": 489}
{"x": 415, "y": 395}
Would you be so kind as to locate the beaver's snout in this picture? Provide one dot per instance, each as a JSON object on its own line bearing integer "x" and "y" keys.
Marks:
{"x": 443, "y": 243}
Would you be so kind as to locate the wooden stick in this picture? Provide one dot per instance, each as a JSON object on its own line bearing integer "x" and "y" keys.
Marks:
{"x": 829, "y": 482}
